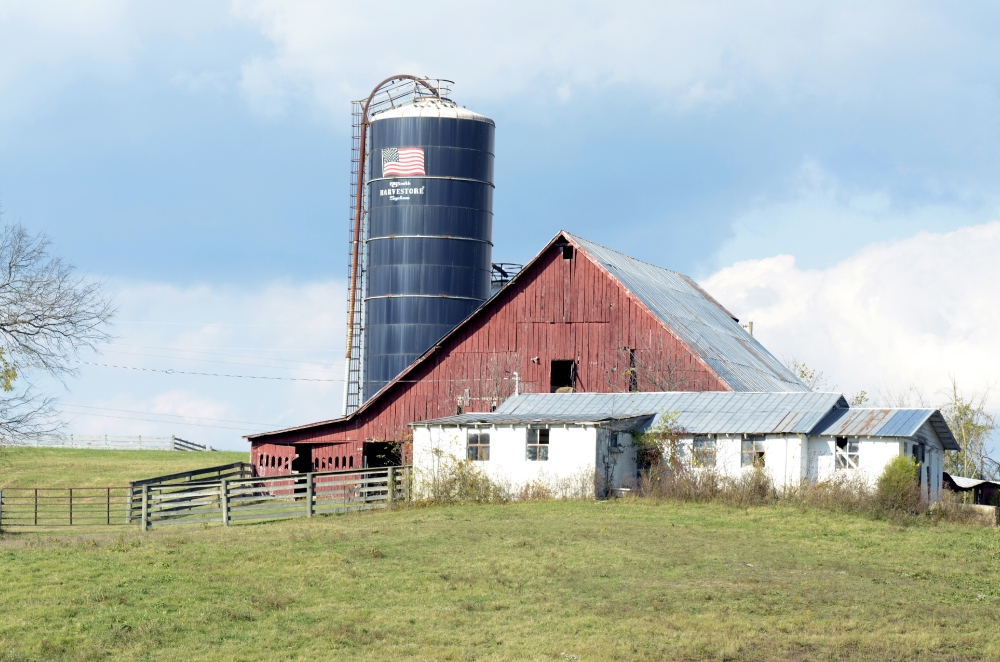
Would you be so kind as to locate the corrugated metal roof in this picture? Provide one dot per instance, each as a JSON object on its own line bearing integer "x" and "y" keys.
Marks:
{"x": 713, "y": 412}
{"x": 699, "y": 320}
{"x": 874, "y": 422}
{"x": 530, "y": 419}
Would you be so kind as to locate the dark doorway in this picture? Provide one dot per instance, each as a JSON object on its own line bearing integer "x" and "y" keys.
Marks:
{"x": 302, "y": 464}
{"x": 562, "y": 376}
{"x": 381, "y": 454}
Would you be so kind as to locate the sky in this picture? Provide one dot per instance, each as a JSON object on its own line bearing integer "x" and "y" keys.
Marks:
{"x": 830, "y": 171}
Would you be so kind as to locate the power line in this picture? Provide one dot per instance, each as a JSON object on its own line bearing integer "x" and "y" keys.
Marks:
{"x": 153, "y": 413}
{"x": 269, "y": 326}
{"x": 257, "y": 365}
{"x": 149, "y": 420}
{"x": 171, "y": 371}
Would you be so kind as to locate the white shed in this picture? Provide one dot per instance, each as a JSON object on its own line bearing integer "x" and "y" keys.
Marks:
{"x": 572, "y": 440}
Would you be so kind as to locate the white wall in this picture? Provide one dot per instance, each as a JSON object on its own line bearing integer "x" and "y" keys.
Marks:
{"x": 573, "y": 456}
{"x": 783, "y": 458}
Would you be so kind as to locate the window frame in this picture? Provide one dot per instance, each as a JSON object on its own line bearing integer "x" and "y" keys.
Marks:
{"x": 480, "y": 450}
{"x": 752, "y": 450}
{"x": 706, "y": 456}
{"x": 540, "y": 447}
{"x": 848, "y": 456}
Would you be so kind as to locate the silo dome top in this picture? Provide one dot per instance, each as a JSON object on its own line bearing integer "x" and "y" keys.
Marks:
{"x": 443, "y": 108}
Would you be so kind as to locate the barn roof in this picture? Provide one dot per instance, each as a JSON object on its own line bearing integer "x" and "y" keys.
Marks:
{"x": 697, "y": 319}
{"x": 700, "y": 321}
{"x": 715, "y": 412}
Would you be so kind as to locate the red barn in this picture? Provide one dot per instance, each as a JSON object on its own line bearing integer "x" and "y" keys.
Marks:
{"x": 579, "y": 316}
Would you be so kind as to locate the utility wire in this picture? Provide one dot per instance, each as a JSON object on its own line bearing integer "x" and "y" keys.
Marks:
{"x": 76, "y": 414}
{"x": 171, "y": 371}
{"x": 203, "y": 360}
{"x": 153, "y": 413}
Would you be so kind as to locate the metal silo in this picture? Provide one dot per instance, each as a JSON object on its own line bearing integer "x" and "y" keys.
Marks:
{"x": 428, "y": 205}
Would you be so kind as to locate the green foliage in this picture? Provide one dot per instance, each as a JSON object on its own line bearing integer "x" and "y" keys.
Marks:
{"x": 659, "y": 443}
{"x": 859, "y": 399}
{"x": 897, "y": 489}
{"x": 8, "y": 373}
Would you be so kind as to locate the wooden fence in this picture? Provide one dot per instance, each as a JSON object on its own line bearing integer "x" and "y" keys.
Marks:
{"x": 63, "y": 506}
{"x": 297, "y": 495}
{"x": 107, "y": 442}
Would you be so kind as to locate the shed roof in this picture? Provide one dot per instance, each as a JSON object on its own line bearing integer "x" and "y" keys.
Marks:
{"x": 714, "y": 412}
{"x": 699, "y": 320}
{"x": 963, "y": 483}
{"x": 874, "y": 422}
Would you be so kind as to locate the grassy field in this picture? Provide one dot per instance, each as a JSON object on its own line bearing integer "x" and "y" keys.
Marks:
{"x": 626, "y": 580}
{"x": 59, "y": 467}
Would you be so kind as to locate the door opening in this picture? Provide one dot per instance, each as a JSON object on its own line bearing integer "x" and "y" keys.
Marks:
{"x": 302, "y": 464}
{"x": 562, "y": 377}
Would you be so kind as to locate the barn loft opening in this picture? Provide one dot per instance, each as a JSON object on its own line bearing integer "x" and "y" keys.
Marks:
{"x": 567, "y": 252}
{"x": 562, "y": 375}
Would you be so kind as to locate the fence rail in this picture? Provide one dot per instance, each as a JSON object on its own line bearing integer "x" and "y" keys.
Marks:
{"x": 296, "y": 495}
{"x": 223, "y": 500}
{"x": 107, "y": 442}
{"x": 63, "y": 506}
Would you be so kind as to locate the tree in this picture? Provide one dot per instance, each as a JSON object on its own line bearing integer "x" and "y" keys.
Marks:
{"x": 972, "y": 426}
{"x": 814, "y": 379}
{"x": 48, "y": 315}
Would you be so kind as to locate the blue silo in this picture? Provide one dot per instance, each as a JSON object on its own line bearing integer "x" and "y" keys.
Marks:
{"x": 430, "y": 230}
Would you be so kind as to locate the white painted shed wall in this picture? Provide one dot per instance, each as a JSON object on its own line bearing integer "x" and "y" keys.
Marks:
{"x": 575, "y": 453}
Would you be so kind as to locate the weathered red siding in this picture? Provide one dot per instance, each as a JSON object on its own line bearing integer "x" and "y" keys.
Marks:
{"x": 557, "y": 309}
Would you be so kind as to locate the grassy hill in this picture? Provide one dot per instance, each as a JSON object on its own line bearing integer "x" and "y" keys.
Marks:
{"x": 61, "y": 467}
{"x": 627, "y": 580}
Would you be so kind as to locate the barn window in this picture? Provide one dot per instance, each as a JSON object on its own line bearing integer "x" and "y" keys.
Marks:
{"x": 272, "y": 461}
{"x": 336, "y": 463}
{"x": 752, "y": 454}
{"x": 567, "y": 252}
{"x": 343, "y": 463}
{"x": 478, "y": 446}
{"x": 847, "y": 453}
{"x": 703, "y": 448}
{"x": 260, "y": 460}
{"x": 350, "y": 461}
{"x": 537, "y": 447}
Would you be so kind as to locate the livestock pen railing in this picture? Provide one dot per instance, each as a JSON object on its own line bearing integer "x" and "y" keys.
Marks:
{"x": 63, "y": 506}
{"x": 295, "y": 495}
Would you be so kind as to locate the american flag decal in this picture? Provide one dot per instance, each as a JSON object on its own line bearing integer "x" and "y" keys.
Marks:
{"x": 402, "y": 162}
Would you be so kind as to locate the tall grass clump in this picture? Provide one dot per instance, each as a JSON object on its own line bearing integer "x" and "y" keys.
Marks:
{"x": 454, "y": 480}
{"x": 897, "y": 491}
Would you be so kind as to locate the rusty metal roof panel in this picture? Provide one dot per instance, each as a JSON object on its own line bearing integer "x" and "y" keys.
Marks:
{"x": 720, "y": 412}
{"x": 699, "y": 320}
{"x": 875, "y": 422}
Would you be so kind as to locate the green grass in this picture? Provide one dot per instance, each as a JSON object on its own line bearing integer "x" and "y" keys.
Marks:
{"x": 529, "y": 581}
{"x": 60, "y": 467}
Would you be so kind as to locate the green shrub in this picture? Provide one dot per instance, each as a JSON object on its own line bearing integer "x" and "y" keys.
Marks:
{"x": 897, "y": 490}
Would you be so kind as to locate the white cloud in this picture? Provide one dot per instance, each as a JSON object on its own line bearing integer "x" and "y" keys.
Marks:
{"x": 691, "y": 53}
{"x": 282, "y": 330}
{"x": 821, "y": 220}
{"x": 909, "y": 312}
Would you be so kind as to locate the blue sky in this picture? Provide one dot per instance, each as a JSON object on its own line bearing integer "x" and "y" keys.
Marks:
{"x": 195, "y": 155}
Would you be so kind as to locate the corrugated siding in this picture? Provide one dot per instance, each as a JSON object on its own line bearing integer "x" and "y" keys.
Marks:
{"x": 742, "y": 362}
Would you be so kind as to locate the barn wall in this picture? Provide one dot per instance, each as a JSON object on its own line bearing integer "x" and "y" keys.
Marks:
{"x": 558, "y": 309}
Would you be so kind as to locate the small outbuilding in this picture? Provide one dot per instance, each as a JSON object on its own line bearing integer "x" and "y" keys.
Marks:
{"x": 574, "y": 439}
{"x": 984, "y": 492}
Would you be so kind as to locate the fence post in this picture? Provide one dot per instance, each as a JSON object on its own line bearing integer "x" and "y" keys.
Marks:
{"x": 36, "y": 506}
{"x": 309, "y": 495}
{"x": 71, "y": 506}
{"x": 109, "y": 505}
{"x": 391, "y": 485}
{"x": 145, "y": 507}
{"x": 406, "y": 484}
{"x": 1, "y": 511}
{"x": 224, "y": 492}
